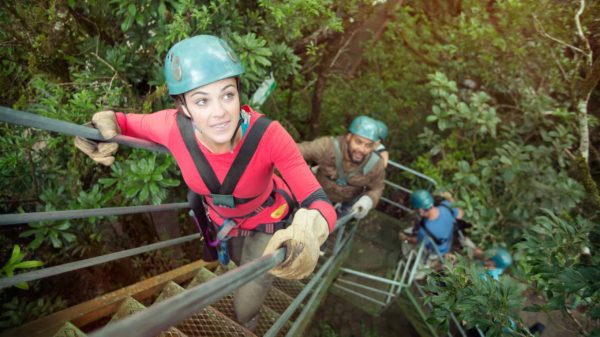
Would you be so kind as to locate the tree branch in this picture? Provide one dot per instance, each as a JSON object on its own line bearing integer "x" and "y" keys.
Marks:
{"x": 117, "y": 73}
{"x": 541, "y": 30}
{"x": 586, "y": 43}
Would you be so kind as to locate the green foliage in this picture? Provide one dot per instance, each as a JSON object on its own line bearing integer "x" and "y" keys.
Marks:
{"x": 557, "y": 256}
{"x": 475, "y": 95}
{"x": 474, "y": 297}
{"x": 16, "y": 262}
{"x": 55, "y": 233}
{"x": 140, "y": 179}
{"x": 491, "y": 164}
{"x": 474, "y": 116}
{"x": 19, "y": 311}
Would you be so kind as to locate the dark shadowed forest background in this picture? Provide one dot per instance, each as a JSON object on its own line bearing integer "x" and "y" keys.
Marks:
{"x": 497, "y": 100}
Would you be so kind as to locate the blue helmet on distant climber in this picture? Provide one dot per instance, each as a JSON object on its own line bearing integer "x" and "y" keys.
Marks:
{"x": 365, "y": 127}
{"x": 421, "y": 199}
{"x": 500, "y": 256}
{"x": 198, "y": 61}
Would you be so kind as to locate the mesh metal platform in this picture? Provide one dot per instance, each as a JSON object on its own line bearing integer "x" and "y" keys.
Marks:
{"x": 278, "y": 301}
{"x": 290, "y": 287}
{"x": 266, "y": 319}
{"x": 210, "y": 322}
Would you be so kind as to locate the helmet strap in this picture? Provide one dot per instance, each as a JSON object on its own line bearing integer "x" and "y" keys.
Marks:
{"x": 237, "y": 128}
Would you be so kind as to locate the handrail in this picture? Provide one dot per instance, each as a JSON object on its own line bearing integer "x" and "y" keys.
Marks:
{"x": 409, "y": 170}
{"x": 397, "y": 205}
{"x": 63, "y": 268}
{"x": 285, "y": 316}
{"x": 21, "y": 218}
{"x": 29, "y": 119}
{"x": 161, "y": 316}
{"x": 302, "y": 316}
{"x": 396, "y": 186}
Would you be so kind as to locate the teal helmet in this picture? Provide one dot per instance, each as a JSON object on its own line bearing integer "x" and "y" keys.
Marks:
{"x": 500, "y": 256}
{"x": 421, "y": 199}
{"x": 383, "y": 130}
{"x": 198, "y": 61}
{"x": 365, "y": 127}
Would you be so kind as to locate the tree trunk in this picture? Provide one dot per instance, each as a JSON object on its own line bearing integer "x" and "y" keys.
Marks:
{"x": 317, "y": 98}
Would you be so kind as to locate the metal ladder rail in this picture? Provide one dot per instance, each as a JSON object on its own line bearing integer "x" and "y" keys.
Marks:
{"x": 400, "y": 278}
{"x": 31, "y": 120}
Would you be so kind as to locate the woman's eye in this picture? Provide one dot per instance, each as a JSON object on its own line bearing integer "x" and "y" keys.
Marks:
{"x": 229, "y": 96}
{"x": 201, "y": 102}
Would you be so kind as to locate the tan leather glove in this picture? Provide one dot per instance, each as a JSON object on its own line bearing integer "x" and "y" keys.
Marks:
{"x": 302, "y": 238}
{"x": 100, "y": 152}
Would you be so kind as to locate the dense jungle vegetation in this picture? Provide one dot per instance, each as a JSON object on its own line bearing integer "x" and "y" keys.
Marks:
{"x": 497, "y": 100}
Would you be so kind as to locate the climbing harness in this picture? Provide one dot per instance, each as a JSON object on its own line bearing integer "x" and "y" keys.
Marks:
{"x": 222, "y": 194}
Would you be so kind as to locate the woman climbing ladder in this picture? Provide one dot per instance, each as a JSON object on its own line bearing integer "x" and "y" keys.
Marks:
{"x": 227, "y": 154}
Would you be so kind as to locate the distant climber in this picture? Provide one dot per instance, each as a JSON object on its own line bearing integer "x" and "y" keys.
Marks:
{"x": 349, "y": 170}
{"x": 436, "y": 224}
{"x": 496, "y": 260}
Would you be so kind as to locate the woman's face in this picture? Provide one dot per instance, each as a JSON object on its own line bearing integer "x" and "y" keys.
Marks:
{"x": 215, "y": 110}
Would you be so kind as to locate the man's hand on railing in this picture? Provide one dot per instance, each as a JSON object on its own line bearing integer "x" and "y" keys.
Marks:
{"x": 362, "y": 206}
{"x": 302, "y": 240}
{"x": 100, "y": 152}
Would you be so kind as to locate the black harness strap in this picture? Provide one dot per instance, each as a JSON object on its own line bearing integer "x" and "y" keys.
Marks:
{"x": 222, "y": 194}
{"x": 246, "y": 153}
{"x": 435, "y": 239}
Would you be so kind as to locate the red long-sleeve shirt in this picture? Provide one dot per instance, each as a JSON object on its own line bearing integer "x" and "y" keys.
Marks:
{"x": 276, "y": 149}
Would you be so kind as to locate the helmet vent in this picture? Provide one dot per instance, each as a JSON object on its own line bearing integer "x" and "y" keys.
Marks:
{"x": 176, "y": 68}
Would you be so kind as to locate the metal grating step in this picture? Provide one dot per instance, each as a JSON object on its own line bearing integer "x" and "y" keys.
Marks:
{"x": 275, "y": 303}
{"x": 290, "y": 287}
{"x": 279, "y": 301}
{"x": 202, "y": 276}
{"x": 130, "y": 306}
{"x": 207, "y": 322}
{"x": 266, "y": 318}
{"x": 69, "y": 330}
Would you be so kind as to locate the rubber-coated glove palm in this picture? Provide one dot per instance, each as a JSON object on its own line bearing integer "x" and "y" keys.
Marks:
{"x": 302, "y": 238}
{"x": 100, "y": 152}
{"x": 362, "y": 206}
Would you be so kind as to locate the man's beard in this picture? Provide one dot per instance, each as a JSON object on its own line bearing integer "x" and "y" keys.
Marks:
{"x": 352, "y": 157}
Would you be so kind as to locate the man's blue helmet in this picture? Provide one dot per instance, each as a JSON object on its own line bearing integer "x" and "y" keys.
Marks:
{"x": 500, "y": 256}
{"x": 421, "y": 199}
{"x": 198, "y": 61}
{"x": 365, "y": 127}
